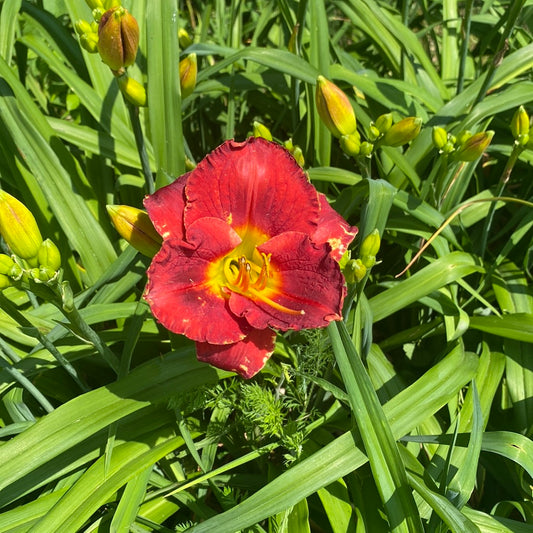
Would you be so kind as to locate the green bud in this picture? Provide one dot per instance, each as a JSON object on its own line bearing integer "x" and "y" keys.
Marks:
{"x": 184, "y": 38}
{"x": 474, "y": 146}
{"x": 5, "y": 282}
{"x": 118, "y": 38}
{"x": 462, "y": 137}
{"x": 299, "y": 156}
{"x": 110, "y": 4}
{"x": 520, "y": 126}
{"x": 134, "y": 92}
{"x": 67, "y": 297}
{"x": 188, "y": 71}
{"x": 135, "y": 226}
{"x": 98, "y": 13}
{"x": 49, "y": 255}
{"x": 260, "y": 130}
{"x": 439, "y": 137}
{"x": 89, "y": 42}
{"x": 334, "y": 108}
{"x": 370, "y": 245}
{"x": 82, "y": 26}
{"x": 402, "y": 132}
{"x": 16, "y": 272}
{"x": 351, "y": 144}
{"x": 384, "y": 122}
{"x": 95, "y": 4}
{"x": 366, "y": 149}
{"x": 6, "y": 264}
{"x": 18, "y": 227}
{"x": 373, "y": 132}
{"x": 354, "y": 271}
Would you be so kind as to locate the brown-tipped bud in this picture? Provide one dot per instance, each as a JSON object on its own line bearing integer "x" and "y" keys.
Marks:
{"x": 402, "y": 132}
{"x": 334, "y": 108}
{"x": 184, "y": 38}
{"x": 384, "y": 122}
{"x": 474, "y": 146}
{"x": 520, "y": 126}
{"x": 49, "y": 255}
{"x": 118, "y": 38}
{"x": 135, "y": 226}
{"x": 439, "y": 137}
{"x": 260, "y": 130}
{"x": 188, "y": 70}
{"x": 18, "y": 227}
{"x": 351, "y": 144}
{"x": 134, "y": 92}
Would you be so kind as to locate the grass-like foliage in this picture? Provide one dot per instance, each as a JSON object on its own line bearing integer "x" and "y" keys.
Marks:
{"x": 414, "y": 413}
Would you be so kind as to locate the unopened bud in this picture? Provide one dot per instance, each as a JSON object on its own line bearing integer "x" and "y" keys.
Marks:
{"x": 118, "y": 38}
{"x": 373, "y": 133}
{"x": 89, "y": 42}
{"x": 334, "y": 108}
{"x": 82, "y": 26}
{"x": 402, "y": 132}
{"x": 49, "y": 255}
{"x": 260, "y": 130}
{"x": 6, "y": 264}
{"x": 384, "y": 122}
{"x": 439, "y": 137}
{"x": 462, "y": 137}
{"x": 370, "y": 246}
{"x": 351, "y": 144}
{"x": 354, "y": 271}
{"x": 135, "y": 226}
{"x": 298, "y": 156}
{"x": 18, "y": 227}
{"x": 95, "y": 4}
{"x": 5, "y": 282}
{"x": 520, "y": 126}
{"x": 184, "y": 38}
{"x": 366, "y": 149}
{"x": 110, "y": 4}
{"x": 474, "y": 146}
{"x": 188, "y": 71}
{"x": 134, "y": 92}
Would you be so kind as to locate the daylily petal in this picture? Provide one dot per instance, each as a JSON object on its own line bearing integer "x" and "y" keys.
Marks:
{"x": 333, "y": 229}
{"x": 254, "y": 184}
{"x": 179, "y": 289}
{"x": 165, "y": 208}
{"x": 309, "y": 286}
{"x": 246, "y": 357}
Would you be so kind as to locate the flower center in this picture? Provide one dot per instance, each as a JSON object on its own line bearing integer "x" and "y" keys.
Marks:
{"x": 246, "y": 277}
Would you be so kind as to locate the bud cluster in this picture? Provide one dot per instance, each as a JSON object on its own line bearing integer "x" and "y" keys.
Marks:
{"x": 356, "y": 269}
{"x": 465, "y": 146}
{"x": 337, "y": 114}
{"x": 32, "y": 257}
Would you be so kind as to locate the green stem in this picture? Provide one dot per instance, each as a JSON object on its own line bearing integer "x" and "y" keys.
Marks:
{"x": 506, "y": 174}
{"x": 502, "y": 47}
{"x": 21, "y": 378}
{"x": 141, "y": 147}
{"x": 24, "y": 322}
{"x": 464, "y": 45}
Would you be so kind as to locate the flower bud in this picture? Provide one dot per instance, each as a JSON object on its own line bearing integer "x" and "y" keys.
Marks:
{"x": 370, "y": 247}
{"x": 134, "y": 92}
{"x": 135, "y": 226}
{"x": 260, "y": 130}
{"x": 89, "y": 42}
{"x": 6, "y": 264}
{"x": 334, "y": 108}
{"x": 439, "y": 137}
{"x": 354, "y": 271}
{"x": 373, "y": 132}
{"x": 351, "y": 144}
{"x": 95, "y": 4}
{"x": 49, "y": 255}
{"x": 5, "y": 282}
{"x": 118, "y": 38}
{"x": 184, "y": 38}
{"x": 402, "y": 132}
{"x": 188, "y": 71}
{"x": 366, "y": 149}
{"x": 18, "y": 227}
{"x": 384, "y": 122}
{"x": 474, "y": 146}
{"x": 298, "y": 156}
{"x": 520, "y": 126}
{"x": 82, "y": 26}
{"x": 462, "y": 137}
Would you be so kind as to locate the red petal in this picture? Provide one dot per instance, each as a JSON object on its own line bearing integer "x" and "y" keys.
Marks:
{"x": 179, "y": 290}
{"x": 310, "y": 284}
{"x": 246, "y": 357}
{"x": 255, "y": 183}
{"x": 165, "y": 208}
{"x": 333, "y": 229}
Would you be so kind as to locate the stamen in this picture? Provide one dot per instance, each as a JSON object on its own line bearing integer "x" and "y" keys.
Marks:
{"x": 275, "y": 305}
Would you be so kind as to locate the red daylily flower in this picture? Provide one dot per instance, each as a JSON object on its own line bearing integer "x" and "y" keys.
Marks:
{"x": 248, "y": 245}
